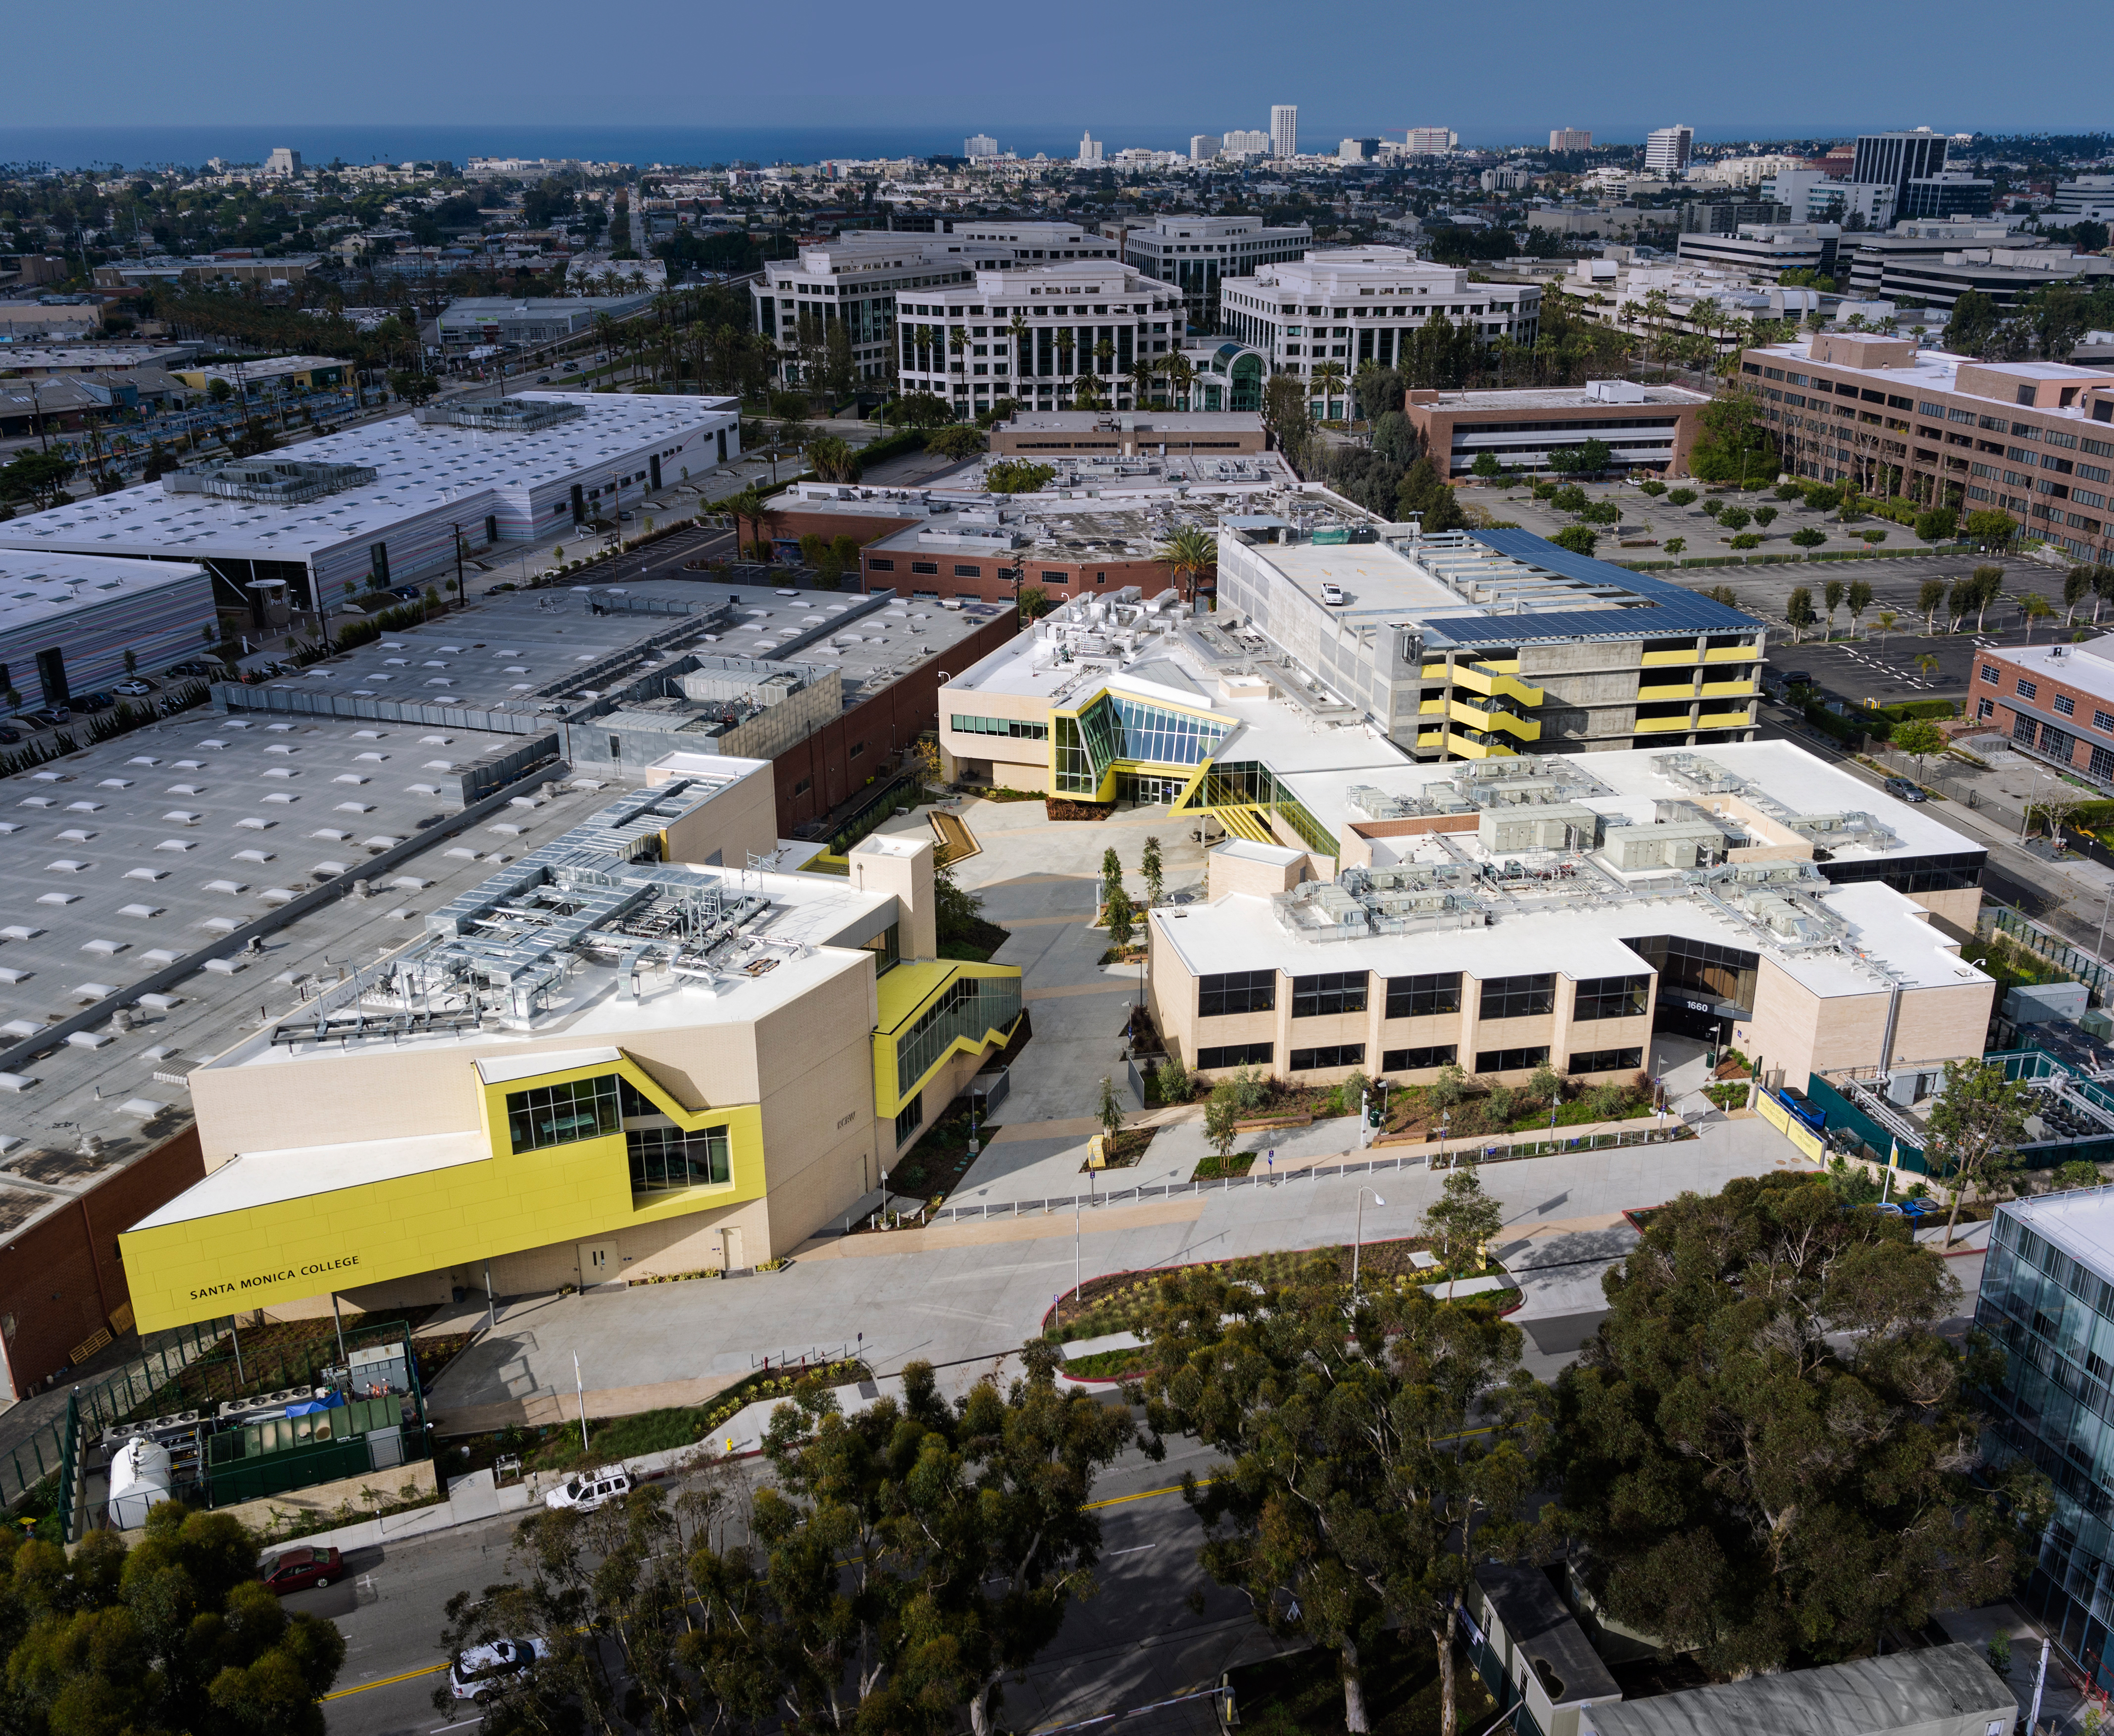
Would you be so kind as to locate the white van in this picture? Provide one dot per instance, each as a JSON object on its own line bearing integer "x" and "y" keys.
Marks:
{"x": 1332, "y": 595}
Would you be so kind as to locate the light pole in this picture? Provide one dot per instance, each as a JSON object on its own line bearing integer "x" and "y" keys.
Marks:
{"x": 1357, "y": 1239}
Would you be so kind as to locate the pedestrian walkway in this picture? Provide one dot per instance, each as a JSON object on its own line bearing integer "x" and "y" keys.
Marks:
{"x": 960, "y": 1293}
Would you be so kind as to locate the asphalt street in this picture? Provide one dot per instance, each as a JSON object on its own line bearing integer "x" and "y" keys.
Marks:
{"x": 1137, "y": 1641}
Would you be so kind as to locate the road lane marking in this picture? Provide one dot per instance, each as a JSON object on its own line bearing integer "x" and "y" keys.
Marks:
{"x": 430, "y": 1670}
{"x": 409, "y": 1676}
{"x": 1117, "y": 1500}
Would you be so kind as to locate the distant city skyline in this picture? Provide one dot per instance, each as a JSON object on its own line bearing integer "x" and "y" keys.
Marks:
{"x": 76, "y": 147}
{"x": 676, "y": 69}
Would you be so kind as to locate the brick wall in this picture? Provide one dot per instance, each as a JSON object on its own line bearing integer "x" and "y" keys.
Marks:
{"x": 816, "y": 775}
{"x": 60, "y": 1279}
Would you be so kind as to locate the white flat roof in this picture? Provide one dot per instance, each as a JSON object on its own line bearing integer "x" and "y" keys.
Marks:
{"x": 255, "y": 1178}
{"x": 47, "y": 585}
{"x": 1238, "y": 932}
{"x": 422, "y": 467}
{"x": 2089, "y": 667}
{"x": 2081, "y": 1223}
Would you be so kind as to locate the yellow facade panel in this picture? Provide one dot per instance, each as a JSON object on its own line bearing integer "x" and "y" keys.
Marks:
{"x": 283, "y": 1251}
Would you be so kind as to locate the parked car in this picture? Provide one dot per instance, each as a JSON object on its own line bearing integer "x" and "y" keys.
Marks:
{"x": 1902, "y": 789}
{"x": 409, "y": 593}
{"x": 592, "y": 1489}
{"x": 133, "y": 687}
{"x": 50, "y": 720}
{"x": 1332, "y": 595}
{"x": 298, "y": 1568}
{"x": 197, "y": 669}
{"x": 9, "y": 736}
{"x": 93, "y": 702}
{"x": 480, "y": 1672}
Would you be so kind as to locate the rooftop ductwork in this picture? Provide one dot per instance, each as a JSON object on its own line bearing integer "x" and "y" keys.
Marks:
{"x": 502, "y": 416}
{"x": 277, "y": 481}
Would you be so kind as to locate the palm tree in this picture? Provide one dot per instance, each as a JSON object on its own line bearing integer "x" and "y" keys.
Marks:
{"x": 1024, "y": 361}
{"x": 922, "y": 340}
{"x": 1181, "y": 375}
{"x": 1189, "y": 550}
{"x": 1104, "y": 358}
{"x": 1086, "y": 393}
{"x": 1329, "y": 376}
{"x": 1142, "y": 370}
{"x": 958, "y": 339}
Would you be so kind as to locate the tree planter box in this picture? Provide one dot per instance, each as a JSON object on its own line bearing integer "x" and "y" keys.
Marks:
{"x": 1275, "y": 1121}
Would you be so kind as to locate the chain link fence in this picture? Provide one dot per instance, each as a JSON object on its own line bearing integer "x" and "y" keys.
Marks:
{"x": 27, "y": 1460}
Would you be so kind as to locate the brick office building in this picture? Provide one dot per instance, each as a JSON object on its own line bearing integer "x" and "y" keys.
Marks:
{"x": 2034, "y": 438}
{"x": 2055, "y": 702}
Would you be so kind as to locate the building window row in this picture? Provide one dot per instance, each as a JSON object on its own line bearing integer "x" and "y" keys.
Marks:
{"x": 1341, "y": 1054}
{"x": 1018, "y": 729}
{"x": 1340, "y": 991}
{"x": 1606, "y": 1061}
{"x": 1512, "y": 1060}
{"x": 1236, "y": 1054}
{"x": 543, "y": 1116}
{"x": 1517, "y": 998}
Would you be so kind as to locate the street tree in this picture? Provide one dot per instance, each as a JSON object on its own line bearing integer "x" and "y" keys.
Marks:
{"x": 1930, "y": 598}
{"x": 2076, "y": 586}
{"x": 1976, "y": 1127}
{"x": 1831, "y": 592}
{"x": 1918, "y": 738}
{"x": 175, "y": 1633}
{"x": 1798, "y": 608}
{"x": 1577, "y": 539}
{"x": 1222, "y": 1119}
{"x": 1107, "y": 1108}
{"x": 1461, "y": 1220}
{"x": 1122, "y": 917}
{"x": 2034, "y": 608}
{"x": 1858, "y": 599}
{"x": 1352, "y": 1496}
{"x": 1988, "y": 583}
{"x": 1771, "y": 1450}
{"x": 901, "y": 1567}
{"x": 1151, "y": 868}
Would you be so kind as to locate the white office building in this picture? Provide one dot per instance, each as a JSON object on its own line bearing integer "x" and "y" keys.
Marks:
{"x": 2090, "y": 198}
{"x": 1765, "y": 251}
{"x": 1349, "y": 306}
{"x": 1203, "y": 146}
{"x": 1033, "y": 332}
{"x": 283, "y": 163}
{"x": 1668, "y": 149}
{"x": 982, "y": 144}
{"x": 1570, "y": 139}
{"x": 856, "y": 280}
{"x": 1090, "y": 152}
{"x": 1284, "y": 130}
{"x": 1813, "y": 197}
{"x": 1197, "y": 254}
{"x": 398, "y": 500}
{"x": 1429, "y": 141}
{"x": 1252, "y": 142}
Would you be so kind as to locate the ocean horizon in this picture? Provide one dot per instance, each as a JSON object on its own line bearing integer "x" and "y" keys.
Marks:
{"x": 191, "y": 145}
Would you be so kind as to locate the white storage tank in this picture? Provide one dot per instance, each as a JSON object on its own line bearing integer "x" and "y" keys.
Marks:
{"x": 138, "y": 1478}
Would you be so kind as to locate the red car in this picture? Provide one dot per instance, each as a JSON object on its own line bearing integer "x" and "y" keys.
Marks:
{"x": 296, "y": 1570}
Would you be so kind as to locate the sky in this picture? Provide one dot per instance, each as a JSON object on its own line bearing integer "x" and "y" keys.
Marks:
{"x": 1142, "y": 74}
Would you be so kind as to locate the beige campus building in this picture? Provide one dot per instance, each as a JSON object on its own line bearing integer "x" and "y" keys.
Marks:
{"x": 622, "y": 1057}
{"x": 1567, "y": 911}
